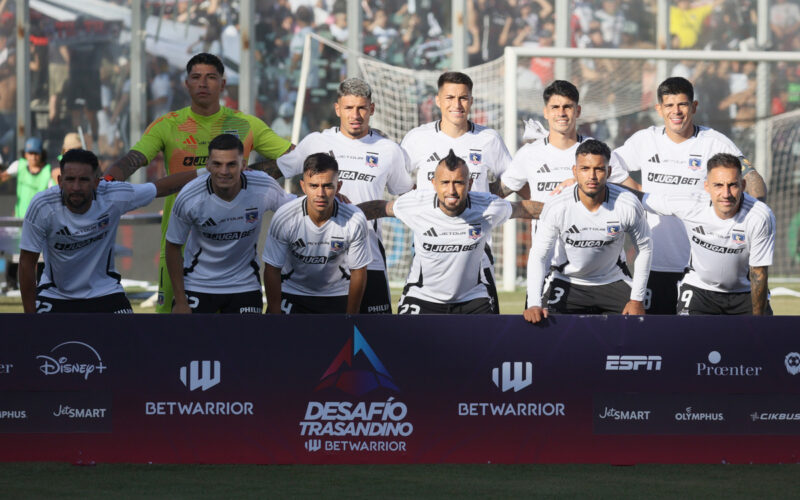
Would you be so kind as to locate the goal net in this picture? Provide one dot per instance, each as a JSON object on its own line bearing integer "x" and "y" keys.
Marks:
{"x": 783, "y": 181}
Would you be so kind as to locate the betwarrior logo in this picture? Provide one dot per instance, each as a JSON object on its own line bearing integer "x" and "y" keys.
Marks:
{"x": 359, "y": 424}
{"x": 199, "y": 375}
{"x": 714, "y": 369}
{"x": 520, "y": 378}
{"x": 72, "y": 358}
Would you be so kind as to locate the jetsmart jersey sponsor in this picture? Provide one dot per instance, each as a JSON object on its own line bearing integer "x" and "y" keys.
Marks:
{"x": 317, "y": 260}
{"x": 367, "y": 167}
{"x": 78, "y": 249}
{"x": 481, "y": 147}
{"x": 591, "y": 242}
{"x": 670, "y": 168}
{"x": 221, "y": 236}
{"x": 722, "y": 250}
{"x": 448, "y": 250}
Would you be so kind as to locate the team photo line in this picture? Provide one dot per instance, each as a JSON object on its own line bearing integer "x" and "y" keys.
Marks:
{"x": 702, "y": 235}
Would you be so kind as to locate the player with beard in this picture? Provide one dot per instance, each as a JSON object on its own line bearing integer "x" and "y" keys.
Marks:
{"x": 589, "y": 222}
{"x": 480, "y": 147}
{"x": 732, "y": 238}
{"x": 317, "y": 248}
{"x": 451, "y": 225}
{"x": 369, "y": 163}
{"x": 75, "y": 225}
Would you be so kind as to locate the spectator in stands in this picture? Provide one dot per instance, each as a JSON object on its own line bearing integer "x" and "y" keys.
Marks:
{"x": 160, "y": 88}
{"x": 784, "y": 22}
{"x": 686, "y": 21}
{"x": 612, "y": 21}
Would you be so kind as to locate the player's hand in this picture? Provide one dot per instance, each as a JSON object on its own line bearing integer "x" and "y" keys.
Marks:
{"x": 534, "y": 314}
{"x": 343, "y": 198}
{"x": 181, "y": 308}
{"x": 634, "y": 307}
{"x": 564, "y": 185}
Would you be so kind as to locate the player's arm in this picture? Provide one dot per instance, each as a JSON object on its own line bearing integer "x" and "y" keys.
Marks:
{"x": 272, "y": 283}
{"x": 538, "y": 260}
{"x": 758, "y": 289}
{"x": 171, "y": 184}
{"x": 376, "y": 209}
{"x": 639, "y": 232}
{"x": 754, "y": 184}
{"x": 358, "y": 283}
{"x": 27, "y": 279}
{"x": 270, "y": 166}
{"x": 526, "y": 209}
{"x": 127, "y": 165}
{"x": 174, "y": 258}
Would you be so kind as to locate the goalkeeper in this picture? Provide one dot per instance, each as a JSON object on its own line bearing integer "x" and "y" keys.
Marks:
{"x": 183, "y": 136}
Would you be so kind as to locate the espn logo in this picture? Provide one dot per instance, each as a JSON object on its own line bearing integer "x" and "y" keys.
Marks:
{"x": 632, "y": 363}
{"x": 313, "y": 445}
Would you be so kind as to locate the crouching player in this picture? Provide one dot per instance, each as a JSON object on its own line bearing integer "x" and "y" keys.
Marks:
{"x": 589, "y": 222}
{"x": 75, "y": 225}
{"x": 218, "y": 217}
{"x": 317, "y": 249}
{"x": 732, "y": 237}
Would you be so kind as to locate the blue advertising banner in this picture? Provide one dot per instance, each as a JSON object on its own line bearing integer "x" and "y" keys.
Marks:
{"x": 399, "y": 389}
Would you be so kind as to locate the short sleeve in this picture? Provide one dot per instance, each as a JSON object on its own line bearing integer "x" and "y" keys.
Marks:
{"x": 34, "y": 233}
{"x": 501, "y": 158}
{"x": 515, "y": 177}
{"x": 498, "y": 211}
{"x": 266, "y": 142}
{"x": 276, "y": 246}
{"x": 180, "y": 223}
{"x": 399, "y": 181}
{"x": 762, "y": 241}
{"x": 657, "y": 204}
{"x": 153, "y": 140}
{"x": 291, "y": 163}
{"x": 142, "y": 195}
{"x": 625, "y": 159}
{"x": 358, "y": 254}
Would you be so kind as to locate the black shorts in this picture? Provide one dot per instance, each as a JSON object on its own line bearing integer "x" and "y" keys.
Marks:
{"x": 226, "y": 303}
{"x": 376, "y": 296}
{"x": 491, "y": 287}
{"x": 662, "y": 292}
{"x": 310, "y": 304}
{"x": 412, "y": 305}
{"x": 116, "y": 303}
{"x": 697, "y": 301}
{"x": 568, "y": 298}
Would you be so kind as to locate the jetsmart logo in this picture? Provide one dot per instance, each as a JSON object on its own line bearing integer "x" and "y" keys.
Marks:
{"x": 517, "y": 378}
{"x": 200, "y": 375}
{"x": 614, "y": 414}
{"x": 691, "y": 416}
{"x": 633, "y": 363}
{"x": 715, "y": 369}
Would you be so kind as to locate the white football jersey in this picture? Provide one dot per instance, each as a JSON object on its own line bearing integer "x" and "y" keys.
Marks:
{"x": 722, "y": 249}
{"x": 591, "y": 242}
{"x": 367, "y": 166}
{"x": 317, "y": 260}
{"x": 670, "y": 168}
{"x": 78, "y": 249}
{"x": 481, "y": 147}
{"x": 448, "y": 250}
{"x": 221, "y": 236}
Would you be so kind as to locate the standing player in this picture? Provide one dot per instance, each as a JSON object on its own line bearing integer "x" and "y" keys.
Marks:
{"x": 183, "y": 137}
{"x": 368, "y": 164}
{"x": 672, "y": 159}
{"x": 732, "y": 239}
{"x": 218, "y": 218}
{"x": 480, "y": 147}
{"x": 75, "y": 225}
{"x": 317, "y": 249}
{"x": 451, "y": 226}
{"x": 589, "y": 222}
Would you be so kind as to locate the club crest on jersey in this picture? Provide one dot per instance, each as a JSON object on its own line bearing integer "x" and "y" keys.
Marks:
{"x": 475, "y": 157}
{"x": 251, "y": 215}
{"x": 372, "y": 160}
{"x": 738, "y": 237}
{"x": 695, "y": 163}
{"x": 474, "y": 231}
{"x": 613, "y": 228}
{"x": 337, "y": 246}
{"x": 102, "y": 222}
{"x": 233, "y": 132}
